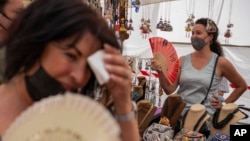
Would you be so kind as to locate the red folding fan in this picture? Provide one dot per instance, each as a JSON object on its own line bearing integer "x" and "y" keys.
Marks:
{"x": 164, "y": 51}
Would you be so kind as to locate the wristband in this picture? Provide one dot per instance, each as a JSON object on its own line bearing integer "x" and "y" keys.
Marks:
{"x": 129, "y": 116}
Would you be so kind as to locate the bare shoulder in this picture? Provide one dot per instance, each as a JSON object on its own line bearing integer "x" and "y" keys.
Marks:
{"x": 224, "y": 62}
{"x": 181, "y": 59}
{"x": 226, "y": 67}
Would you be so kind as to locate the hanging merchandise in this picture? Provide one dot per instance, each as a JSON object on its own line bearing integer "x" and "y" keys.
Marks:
{"x": 166, "y": 23}
{"x": 116, "y": 14}
{"x": 123, "y": 14}
{"x": 108, "y": 13}
{"x": 130, "y": 21}
{"x": 148, "y": 21}
{"x": 145, "y": 20}
{"x": 228, "y": 33}
{"x": 160, "y": 91}
{"x": 164, "y": 51}
{"x": 139, "y": 65}
{"x": 190, "y": 13}
{"x": 168, "y": 26}
{"x": 160, "y": 23}
{"x": 111, "y": 14}
{"x": 136, "y": 4}
{"x": 188, "y": 30}
{"x": 142, "y": 27}
{"x": 153, "y": 90}
{"x": 120, "y": 19}
{"x": 96, "y": 5}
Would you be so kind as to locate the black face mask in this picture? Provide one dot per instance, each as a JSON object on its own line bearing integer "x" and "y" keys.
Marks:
{"x": 41, "y": 85}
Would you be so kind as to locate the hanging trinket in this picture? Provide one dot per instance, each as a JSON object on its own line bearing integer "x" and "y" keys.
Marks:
{"x": 160, "y": 24}
{"x": 188, "y": 30}
{"x": 189, "y": 25}
{"x": 159, "y": 102}
{"x": 130, "y": 28}
{"x": 122, "y": 26}
{"x": 109, "y": 18}
{"x": 169, "y": 27}
{"x": 142, "y": 22}
{"x": 190, "y": 20}
{"x": 165, "y": 25}
{"x": 117, "y": 26}
{"x": 160, "y": 91}
{"x": 130, "y": 21}
{"x": 147, "y": 23}
{"x": 139, "y": 65}
{"x": 131, "y": 63}
{"x": 153, "y": 85}
{"x": 136, "y": 4}
{"x": 123, "y": 14}
{"x": 228, "y": 33}
{"x": 160, "y": 94}
{"x": 145, "y": 29}
{"x": 153, "y": 98}
{"x": 148, "y": 64}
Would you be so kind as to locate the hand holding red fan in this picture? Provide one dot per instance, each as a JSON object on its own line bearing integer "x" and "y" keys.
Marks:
{"x": 165, "y": 53}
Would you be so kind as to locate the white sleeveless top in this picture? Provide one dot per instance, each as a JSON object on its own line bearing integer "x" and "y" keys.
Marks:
{"x": 193, "y": 84}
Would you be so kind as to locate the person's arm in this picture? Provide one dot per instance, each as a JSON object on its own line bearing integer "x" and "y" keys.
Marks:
{"x": 230, "y": 73}
{"x": 119, "y": 86}
{"x": 227, "y": 70}
{"x": 128, "y": 123}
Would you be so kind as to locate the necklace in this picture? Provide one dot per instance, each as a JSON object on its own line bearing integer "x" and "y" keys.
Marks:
{"x": 224, "y": 122}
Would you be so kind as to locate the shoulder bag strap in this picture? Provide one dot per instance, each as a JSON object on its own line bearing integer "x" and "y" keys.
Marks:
{"x": 203, "y": 101}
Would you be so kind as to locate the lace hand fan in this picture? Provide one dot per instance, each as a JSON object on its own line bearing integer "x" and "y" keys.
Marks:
{"x": 68, "y": 117}
{"x": 164, "y": 52}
